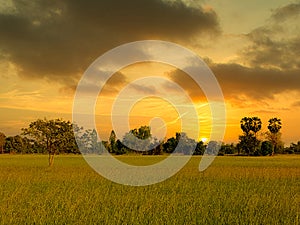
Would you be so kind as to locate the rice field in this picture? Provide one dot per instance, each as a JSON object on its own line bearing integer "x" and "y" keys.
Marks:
{"x": 233, "y": 190}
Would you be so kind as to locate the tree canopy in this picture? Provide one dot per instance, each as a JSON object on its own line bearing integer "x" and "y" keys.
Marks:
{"x": 248, "y": 141}
{"x": 274, "y": 135}
{"x": 2, "y": 142}
{"x": 274, "y": 125}
{"x": 57, "y": 136}
{"x": 52, "y": 135}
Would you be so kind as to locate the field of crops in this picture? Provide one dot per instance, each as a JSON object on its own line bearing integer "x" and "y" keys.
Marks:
{"x": 233, "y": 190}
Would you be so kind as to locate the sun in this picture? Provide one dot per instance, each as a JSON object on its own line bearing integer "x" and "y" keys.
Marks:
{"x": 204, "y": 139}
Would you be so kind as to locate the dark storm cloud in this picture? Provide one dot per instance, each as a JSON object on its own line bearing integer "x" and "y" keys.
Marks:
{"x": 59, "y": 39}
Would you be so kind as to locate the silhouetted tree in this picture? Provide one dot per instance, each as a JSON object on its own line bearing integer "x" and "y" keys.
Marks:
{"x": 274, "y": 125}
{"x": 227, "y": 149}
{"x": 294, "y": 148}
{"x": 170, "y": 145}
{"x": 112, "y": 142}
{"x": 186, "y": 145}
{"x": 266, "y": 148}
{"x": 2, "y": 142}
{"x": 248, "y": 141}
{"x": 246, "y": 125}
{"x": 274, "y": 135}
{"x": 256, "y": 125}
{"x": 156, "y": 147}
{"x": 200, "y": 148}
{"x": 120, "y": 148}
{"x": 213, "y": 147}
{"x": 51, "y": 134}
{"x": 138, "y": 139}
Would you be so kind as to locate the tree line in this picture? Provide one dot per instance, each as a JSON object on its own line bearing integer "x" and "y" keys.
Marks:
{"x": 250, "y": 142}
{"x": 56, "y": 136}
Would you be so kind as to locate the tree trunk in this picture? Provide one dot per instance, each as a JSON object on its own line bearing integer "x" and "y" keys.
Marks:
{"x": 51, "y": 159}
{"x": 51, "y": 155}
{"x": 273, "y": 151}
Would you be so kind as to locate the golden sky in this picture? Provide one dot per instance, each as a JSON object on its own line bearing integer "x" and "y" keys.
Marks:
{"x": 252, "y": 47}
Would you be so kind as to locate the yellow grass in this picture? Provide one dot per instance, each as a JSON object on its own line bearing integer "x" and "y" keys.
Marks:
{"x": 234, "y": 190}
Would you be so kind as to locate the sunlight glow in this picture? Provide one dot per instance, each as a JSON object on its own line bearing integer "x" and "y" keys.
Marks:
{"x": 204, "y": 139}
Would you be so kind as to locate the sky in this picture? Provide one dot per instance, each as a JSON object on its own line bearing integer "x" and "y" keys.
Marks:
{"x": 252, "y": 48}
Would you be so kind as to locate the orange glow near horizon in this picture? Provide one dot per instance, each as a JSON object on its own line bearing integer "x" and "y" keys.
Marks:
{"x": 38, "y": 80}
{"x": 150, "y": 108}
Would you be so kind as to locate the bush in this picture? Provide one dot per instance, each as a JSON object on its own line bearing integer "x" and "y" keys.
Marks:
{"x": 266, "y": 148}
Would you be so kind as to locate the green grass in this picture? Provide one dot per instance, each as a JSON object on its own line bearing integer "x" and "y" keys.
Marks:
{"x": 233, "y": 190}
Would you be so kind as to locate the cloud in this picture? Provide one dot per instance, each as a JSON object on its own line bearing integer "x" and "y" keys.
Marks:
{"x": 277, "y": 43}
{"x": 242, "y": 84}
{"x": 296, "y": 104}
{"x": 148, "y": 90}
{"x": 286, "y": 12}
{"x": 57, "y": 40}
{"x": 270, "y": 65}
{"x": 110, "y": 88}
{"x": 263, "y": 112}
{"x": 187, "y": 83}
{"x": 256, "y": 83}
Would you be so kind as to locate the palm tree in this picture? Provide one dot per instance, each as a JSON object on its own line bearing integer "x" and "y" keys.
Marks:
{"x": 246, "y": 125}
{"x": 274, "y": 125}
{"x": 274, "y": 135}
{"x": 250, "y": 127}
{"x": 255, "y": 125}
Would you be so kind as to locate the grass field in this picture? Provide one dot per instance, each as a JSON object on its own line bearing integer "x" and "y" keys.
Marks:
{"x": 234, "y": 190}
